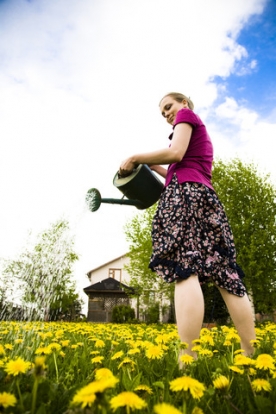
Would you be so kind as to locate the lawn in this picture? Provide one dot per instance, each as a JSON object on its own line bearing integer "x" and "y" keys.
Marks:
{"x": 69, "y": 368}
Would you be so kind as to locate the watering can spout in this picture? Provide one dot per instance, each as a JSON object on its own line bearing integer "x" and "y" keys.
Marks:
{"x": 142, "y": 189}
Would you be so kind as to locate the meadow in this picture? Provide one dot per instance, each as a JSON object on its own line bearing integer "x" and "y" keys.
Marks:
{"x": 70, "y": 368}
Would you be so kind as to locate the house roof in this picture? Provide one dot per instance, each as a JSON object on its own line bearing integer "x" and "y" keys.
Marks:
{"x": 108, "y": 284}
{"x": 104, "y": 264}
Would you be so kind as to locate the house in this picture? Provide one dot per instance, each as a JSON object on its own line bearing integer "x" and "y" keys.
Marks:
{"x": 108, "y": 289}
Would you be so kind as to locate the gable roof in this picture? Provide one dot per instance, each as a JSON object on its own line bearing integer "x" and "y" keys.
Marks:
{"x": 106, "y": 285}
{"x": 104, "y": 264}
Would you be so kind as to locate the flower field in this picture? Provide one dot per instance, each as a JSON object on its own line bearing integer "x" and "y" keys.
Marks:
{"x": 68, "y": 368}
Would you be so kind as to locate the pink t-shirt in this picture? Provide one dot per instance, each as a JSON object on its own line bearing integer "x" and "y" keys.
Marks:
{"x": 196, "y": 165}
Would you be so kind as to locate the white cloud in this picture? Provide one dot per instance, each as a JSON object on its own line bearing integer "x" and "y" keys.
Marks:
{"x": 80, "y": 84}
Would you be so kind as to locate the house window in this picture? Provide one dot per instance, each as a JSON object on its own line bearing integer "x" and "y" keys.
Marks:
{"x": 115, "y": 274}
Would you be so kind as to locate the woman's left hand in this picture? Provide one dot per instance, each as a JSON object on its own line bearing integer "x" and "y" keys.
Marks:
{"x": 127, "y": 167}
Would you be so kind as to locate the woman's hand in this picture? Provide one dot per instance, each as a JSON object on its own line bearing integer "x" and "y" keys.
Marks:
{"x": 127, "y": 167}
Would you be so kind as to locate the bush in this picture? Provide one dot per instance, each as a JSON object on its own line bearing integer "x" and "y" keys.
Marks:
{"x": 123, "y": 314}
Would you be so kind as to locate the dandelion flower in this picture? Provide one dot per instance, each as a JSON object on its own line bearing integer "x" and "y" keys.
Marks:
{"x": 126, "y": 361}
{"x": 236, "y": 369}
{"x": 9, "y": 347}
{"x": 17, "y": 366}
{"x": 127, "y": 399}
{"x": 84, "y": 397}
{"x": 134, "y": 351}
{"x": 186, "y": 383}
{"x": 260, "y": 384}
{"x": 2, "y": 350}
{"x": 97, "y": 359}
{"x": 154, "y": 352}
{"x": 165, "y": 408}
{"x": 99, "y": 343}
{"x": 103, "y": 373}
{"x": 197, "y": 410}
{"x": 205, "y": 352}
{"x": 265, "y": 361}
{"x": 221, "y": 382}
{"x": 117, "y": 355}
{"x": 243, "y": 360}
{"x": 186, "y": 359}
{"x": 7, "y": 400}
{"x": 144, "y": 388}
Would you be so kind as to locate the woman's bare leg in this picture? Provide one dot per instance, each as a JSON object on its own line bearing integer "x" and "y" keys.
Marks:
{"x": 242, "y": 316}
{"x": 189, "y": 311}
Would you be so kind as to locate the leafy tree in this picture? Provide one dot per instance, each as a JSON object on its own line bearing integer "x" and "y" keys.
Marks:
{"x": 250, "y": 203}
{"x": 147, "y": 284}
{"x": 43, "y": 274}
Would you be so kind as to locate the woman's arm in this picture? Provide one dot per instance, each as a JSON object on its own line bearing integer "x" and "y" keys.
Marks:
{"x": 159, "y": 170}
{"x": 175, "y": 153}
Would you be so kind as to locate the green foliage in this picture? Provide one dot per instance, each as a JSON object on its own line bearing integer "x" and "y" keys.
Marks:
{"x": 145, "y": 282}
{"x": 152, "y": 313}
{"x": 250, "y": 203}
{"x": 42, "y": 275}
{"x": 122, "y": 314}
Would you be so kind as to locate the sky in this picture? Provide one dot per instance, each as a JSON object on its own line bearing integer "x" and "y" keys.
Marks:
{"x": 80, "y": 84}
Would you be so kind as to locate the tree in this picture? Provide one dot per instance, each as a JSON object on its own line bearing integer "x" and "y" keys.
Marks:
{"x": 43, "y": 274}
{"x": 146, "y": 283}
{"x": 250, "y": 203}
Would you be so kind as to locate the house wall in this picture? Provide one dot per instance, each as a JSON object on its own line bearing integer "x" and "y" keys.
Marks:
{"x": 114, "y": 268}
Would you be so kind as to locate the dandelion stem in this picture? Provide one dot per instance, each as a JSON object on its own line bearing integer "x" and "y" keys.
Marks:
{"x": 20, "y": 395}
{"x": 55, "y": 361}
{"x": 34, "y": 395}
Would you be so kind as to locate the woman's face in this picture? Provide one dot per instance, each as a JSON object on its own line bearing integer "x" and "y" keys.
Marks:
{"x": 169, "y": 108}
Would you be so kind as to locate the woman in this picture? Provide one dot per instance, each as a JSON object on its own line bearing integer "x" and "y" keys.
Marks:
{"x": 192, "y": 240}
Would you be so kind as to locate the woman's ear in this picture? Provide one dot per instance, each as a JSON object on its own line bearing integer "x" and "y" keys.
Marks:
{"x": 185, "y": 103}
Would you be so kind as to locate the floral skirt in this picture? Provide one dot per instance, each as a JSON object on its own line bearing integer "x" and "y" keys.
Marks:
{"x": 191, "y": 236}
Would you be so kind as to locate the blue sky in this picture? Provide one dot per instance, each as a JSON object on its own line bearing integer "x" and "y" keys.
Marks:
{"x": 80, "y": 85}
{"x": 257, "y": 88}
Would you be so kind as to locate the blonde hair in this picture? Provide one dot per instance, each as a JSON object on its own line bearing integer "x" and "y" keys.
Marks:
{"x": 179, "y": 97}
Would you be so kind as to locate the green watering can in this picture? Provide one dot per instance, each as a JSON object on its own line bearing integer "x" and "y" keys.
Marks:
{"x": 141, "y": 188}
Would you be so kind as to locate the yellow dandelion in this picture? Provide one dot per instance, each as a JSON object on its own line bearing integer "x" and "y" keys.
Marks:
{"x": 154, "y": 352}
{"x": 243, "y": 360}
{"x": 186, "y": 359}
{"x": 17, "y": 366}
{"x": 236, "y": 369}
{"x": 43, "y": 350}
{"x": 265, "y": 362}
{"x": 134, "y": 351}
{"x": 183, "y": 345}
{"x": 54, "y": 346}
{"x": 99, "y": 343}
{"x": 74, "y": 346}
{"x": 103, "y": 373}
{"x": 165, "y": 408}
{"x": 84, "y": 397}
{"x": 2, "y": 350}
{"x": 260, "y": 384}
{"x": 64, "y": 343}
{"x": 117, "y": 355}
{"x": 205, "y": 352}
{"x": 9, "y": 347}
{"x": 221, "y": 382}
{"x": 129, "y": 400}
{"x": 97, "y": 359}
{"x": 207, "y": 339}
{"x": 94, "y": 352}
{"x": 102, "y": 384}
{"x": 197, "y": 410}
{"x": 186, "y": 383}
{"x": 143, "y": 388}
{"x": 7, "y": 400}
{"x": 126, "y": 361}
{"x": 18, "y": 341}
